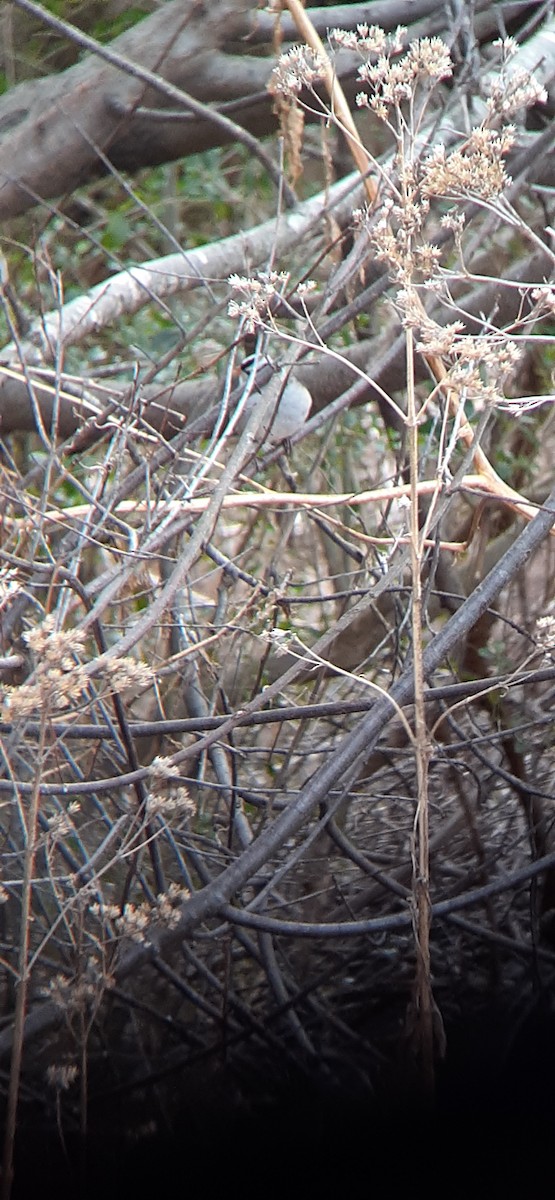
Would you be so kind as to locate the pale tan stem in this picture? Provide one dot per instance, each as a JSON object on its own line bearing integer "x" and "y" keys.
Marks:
{"x": 341, "y": 111}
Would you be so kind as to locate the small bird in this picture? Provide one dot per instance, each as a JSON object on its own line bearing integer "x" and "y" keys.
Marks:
{"x": 291, "y": 406}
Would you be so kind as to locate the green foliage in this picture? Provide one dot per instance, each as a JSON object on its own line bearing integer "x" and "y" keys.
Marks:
{"x": 106, "y": 30}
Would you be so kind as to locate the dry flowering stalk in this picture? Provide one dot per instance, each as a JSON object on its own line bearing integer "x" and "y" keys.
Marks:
{"x": 254, "y": 307}
{"x": 368, "y": 39}
{"x": 308, "y": 65}
{"x": 514, "y": 88}
{"x": 477, "y": 367}
{"x": 297, "y": 68}
{"x": 60, "y": 680}
{"x": 137, "y": 919}
{"x": 259, "y": 294}
{"x": 78, "y": 994}
{"x": 399, "y": 82}
{"x": 469, "y": 368}
{"x": 163, "y": 772}
{"x": 393, "y": 83}
{"x": 475, "y": 170}
{"x": 397, "y": 89}
{"x": 179, "y": 804}
{"x": 60, "y": 824}
{"x": 127, "y": 672}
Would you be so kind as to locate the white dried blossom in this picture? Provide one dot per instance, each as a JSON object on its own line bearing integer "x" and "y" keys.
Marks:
{"x": 513, "y": 91}
{"x": 426, "y": 258}
{"x": 58, "y": 680}
{"x": 61, "y": 1076}
{"x": 544, "y": 297}
{"x": 51, "y": 689}
{"x": 439, "y": 339}
{"x": 387, "y": 246}
{"x": 409, "y": 307}
{"x": 474, "y": 170}
{"x": 54, "y": 645}
{"x": 126, "y": 672}
{"x": 163, "y": 772}
{"x": 265, "y": 283}
{"x": 168, "y": 905}
{"x": 105, "y": 912}
{"x": 59, "y": 825}
{"x": 545, "y": 633}
{"x": 178, "y": 803}
{"x": 429, "y": 58}
{"x": 392, "y": 83}
{"x": 367, "y": 39}
{"x": 508, "y": 47}
{"x": 258, "y": 292}
{"x": 477, "y": 367}
{"x": 298, "y": 68}
{"x": 434, "y": 285}
{"x": 306, "y": 288}
{"x": 362, "y": 217}
{"x": 163, "y": 767}
{"x": 136, "y": 920}
{"x": 455, "y": 221}
{"x": 79, "y": 992}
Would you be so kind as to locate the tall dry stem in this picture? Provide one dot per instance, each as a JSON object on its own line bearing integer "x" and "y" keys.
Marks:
{"x": 30, "y": 839}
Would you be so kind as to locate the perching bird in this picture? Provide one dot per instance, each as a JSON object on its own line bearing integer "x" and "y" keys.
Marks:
{"x": 291, "y": 403}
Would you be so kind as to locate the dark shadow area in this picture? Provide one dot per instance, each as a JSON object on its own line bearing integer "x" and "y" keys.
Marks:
{"x": 492, "y": 1121}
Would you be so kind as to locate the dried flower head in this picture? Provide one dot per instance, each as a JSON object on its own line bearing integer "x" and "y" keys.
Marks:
{"x": 366, "y": 39}
{"x": 61, "y": 1076}
{"x": 78, "y": 993}
{"x": 178, "y": 804}
{"x": 393, "y": 82}
{"x": 513, "y": 88}
{"x": 162, "y": 767}
{"x": 51, "y": 690}
{"x": 544, "y": 299}
{"x": 168, "y": 905}
{"x": 258, "y": 294}
{"x": 137, "y": 920}
{"x": 127, "y": 672}
{"x": 298, "y": 68}
{"x": 53, "y": 645}
{"x": 545, "y": 634}
{"x": 134, "y": 922}
{"x": 475, "y": 170}
{"x": 58, "y": 680}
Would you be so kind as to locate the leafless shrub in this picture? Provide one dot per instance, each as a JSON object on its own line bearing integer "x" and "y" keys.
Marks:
{"x": 276, "y": 718}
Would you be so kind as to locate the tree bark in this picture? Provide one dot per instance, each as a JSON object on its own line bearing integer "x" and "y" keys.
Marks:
{"x": 59, "y": 132}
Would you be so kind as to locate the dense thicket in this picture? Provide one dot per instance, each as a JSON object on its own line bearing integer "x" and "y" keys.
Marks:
{"x": 276, "y": 791}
